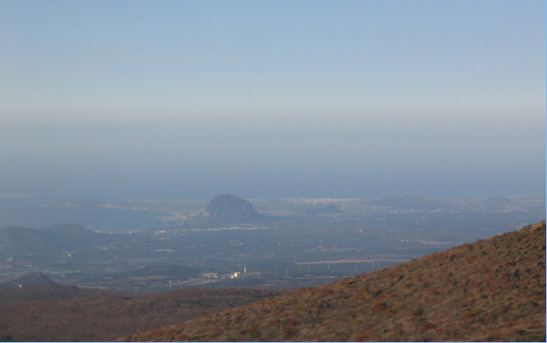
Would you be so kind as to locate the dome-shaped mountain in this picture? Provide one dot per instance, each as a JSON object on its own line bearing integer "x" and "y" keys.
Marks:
{"x": 229, "y": 208}
{"x": 225, "y": 210}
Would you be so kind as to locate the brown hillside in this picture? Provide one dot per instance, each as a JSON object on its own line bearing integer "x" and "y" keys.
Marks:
{"x": 72, "y": 314}
{"x": 490, "y": 290}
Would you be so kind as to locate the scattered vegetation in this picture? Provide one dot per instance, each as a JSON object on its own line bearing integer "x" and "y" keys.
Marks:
{"x": 491, "y": 290}
{"x": 70, "y": 313}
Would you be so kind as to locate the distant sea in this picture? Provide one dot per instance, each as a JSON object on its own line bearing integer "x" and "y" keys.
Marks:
{"x": 29, "y": 212}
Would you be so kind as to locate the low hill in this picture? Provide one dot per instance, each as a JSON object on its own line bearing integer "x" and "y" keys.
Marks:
{"x": 73, "y": 314}
{"x": 21, "y": 242}
{"x": 16, "y": 241}
{"x": 492, "y": 289}
{"x": 30, "y": 280}
{"x": 70, "y": 235}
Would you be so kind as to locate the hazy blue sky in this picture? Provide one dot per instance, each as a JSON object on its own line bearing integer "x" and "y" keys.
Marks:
{"x": 113, "y": 100}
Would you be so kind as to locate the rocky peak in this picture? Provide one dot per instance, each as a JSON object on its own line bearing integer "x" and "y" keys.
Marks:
{"x": 229, "y": 208}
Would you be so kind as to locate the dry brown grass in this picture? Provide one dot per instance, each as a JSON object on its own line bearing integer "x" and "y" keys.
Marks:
{"x": 491, "y": 290}
{"x": 72, "y": 314}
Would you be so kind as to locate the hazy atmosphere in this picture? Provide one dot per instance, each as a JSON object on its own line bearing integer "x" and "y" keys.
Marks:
{"x": 103, "y": 100}
{"x": 273, "y": 170}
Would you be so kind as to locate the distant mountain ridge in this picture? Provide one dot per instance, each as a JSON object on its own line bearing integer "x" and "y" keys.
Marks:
{"x": 490, "y": 290}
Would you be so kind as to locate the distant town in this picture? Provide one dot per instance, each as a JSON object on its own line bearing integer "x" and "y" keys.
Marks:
{"x": 232, "y": 242}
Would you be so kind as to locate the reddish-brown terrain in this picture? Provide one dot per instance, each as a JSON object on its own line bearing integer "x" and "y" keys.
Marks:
{"x": 70, "y": 313}
{"x": 490, "y": 290}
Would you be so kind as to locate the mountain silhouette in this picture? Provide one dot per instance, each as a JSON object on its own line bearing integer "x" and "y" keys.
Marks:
{"x": 224, "y": 210}
{"x": 227, "y": 207}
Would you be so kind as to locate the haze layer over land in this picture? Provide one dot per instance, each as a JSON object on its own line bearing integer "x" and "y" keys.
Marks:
{"x": 113, "y": 101}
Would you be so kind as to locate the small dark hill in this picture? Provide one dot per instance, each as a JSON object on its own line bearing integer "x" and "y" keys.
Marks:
{"x": 30, "y": 280}
{"x": 71, "y": 235}
{"x": 491, "y": 290}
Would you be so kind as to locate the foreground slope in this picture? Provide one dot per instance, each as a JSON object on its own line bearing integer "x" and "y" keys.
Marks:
{"x": 71, "y": 314}
{"x": 489, "y": 290}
